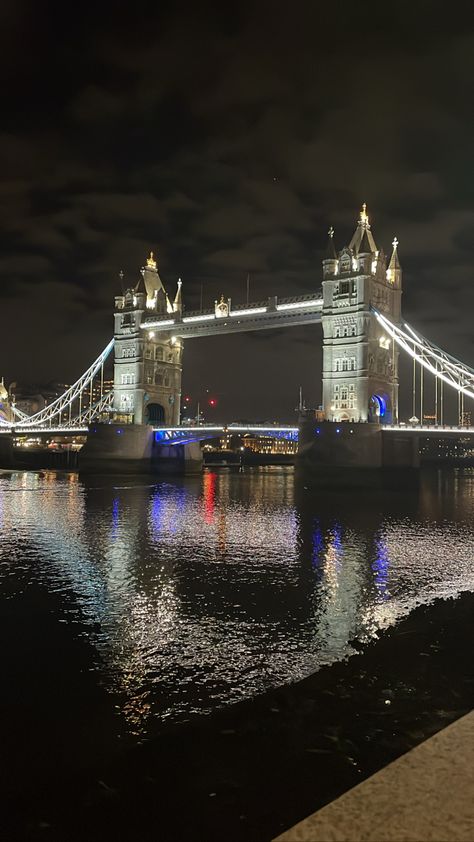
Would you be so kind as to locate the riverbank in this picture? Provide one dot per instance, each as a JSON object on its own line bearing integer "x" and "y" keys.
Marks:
{"x": 252, "y": 770}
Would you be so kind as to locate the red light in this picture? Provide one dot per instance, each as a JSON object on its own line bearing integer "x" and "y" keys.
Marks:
{"x": 187, "y": 398}
{"x": 212, "y": 402}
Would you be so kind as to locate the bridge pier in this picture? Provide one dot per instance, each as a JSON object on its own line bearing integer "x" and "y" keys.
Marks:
{"x": 132, "y": 449}
{"x": 6, "y": 451}
{"x": 347, "y": 454}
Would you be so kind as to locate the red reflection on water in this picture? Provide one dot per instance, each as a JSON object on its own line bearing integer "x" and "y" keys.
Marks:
{"x": 209, "y": 496}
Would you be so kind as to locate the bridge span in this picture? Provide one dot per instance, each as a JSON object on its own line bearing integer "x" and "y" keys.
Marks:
{"x": 224, "y": 318}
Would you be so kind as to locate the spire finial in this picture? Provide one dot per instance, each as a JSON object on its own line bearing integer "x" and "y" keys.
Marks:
{"x": 331, "y": 232}
{"x": 395, "y": 243}
{"x": 364, "y": 219}
{"x": 151, "y": 262}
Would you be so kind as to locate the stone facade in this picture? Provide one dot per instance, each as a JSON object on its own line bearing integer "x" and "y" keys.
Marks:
{"x": 148, "y": 364}
{"x": 360, "y": 361}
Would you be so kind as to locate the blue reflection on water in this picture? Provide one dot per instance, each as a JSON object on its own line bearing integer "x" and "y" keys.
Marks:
{"x": 318, "y": 545}
{"x": 381, "y": 567}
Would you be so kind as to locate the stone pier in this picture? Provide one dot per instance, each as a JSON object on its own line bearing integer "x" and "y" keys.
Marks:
{"x": 132, "y": 449}
{"x": 349, "y": 453}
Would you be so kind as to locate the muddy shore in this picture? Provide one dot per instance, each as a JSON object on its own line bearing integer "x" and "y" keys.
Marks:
{"x": 253, "y": 769}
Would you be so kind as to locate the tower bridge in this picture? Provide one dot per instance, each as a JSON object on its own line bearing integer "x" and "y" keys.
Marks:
{"x": 363, "y": 334}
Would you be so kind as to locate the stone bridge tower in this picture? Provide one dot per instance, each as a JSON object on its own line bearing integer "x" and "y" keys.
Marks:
{"x": 360, "y": 362}
{"x": 148, "y": 364}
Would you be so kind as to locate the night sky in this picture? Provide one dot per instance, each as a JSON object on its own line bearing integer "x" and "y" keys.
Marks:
{"x": 227, "y": 137}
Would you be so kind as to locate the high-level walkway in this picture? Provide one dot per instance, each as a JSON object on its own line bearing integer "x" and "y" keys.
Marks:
{"x": 274, "y": 312}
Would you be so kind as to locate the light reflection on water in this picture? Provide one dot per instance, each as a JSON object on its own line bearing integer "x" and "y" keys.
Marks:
{"x": 198, "y": 592}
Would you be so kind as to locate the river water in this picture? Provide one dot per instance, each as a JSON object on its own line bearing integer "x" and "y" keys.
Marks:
{"x": 128, "y": 603}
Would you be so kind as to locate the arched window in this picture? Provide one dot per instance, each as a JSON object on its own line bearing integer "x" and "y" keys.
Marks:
{"x": 158, "y": 353}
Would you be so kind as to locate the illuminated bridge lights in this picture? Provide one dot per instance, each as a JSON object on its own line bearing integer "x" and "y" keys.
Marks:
{"x": 252, "y": 311}
{"x": 186, "y": 435}
{"x": 443, "y": 366}
{"x": 46, "y": 430}
{"x": 203, "y": 318}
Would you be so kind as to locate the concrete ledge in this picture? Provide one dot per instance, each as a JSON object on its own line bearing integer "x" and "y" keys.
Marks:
{"x": 427, "y": 795}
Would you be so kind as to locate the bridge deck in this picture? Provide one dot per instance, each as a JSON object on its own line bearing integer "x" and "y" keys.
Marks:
{"x": 211, "y": 431}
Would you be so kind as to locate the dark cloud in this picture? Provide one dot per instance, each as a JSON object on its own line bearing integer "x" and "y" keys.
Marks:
{"x": 227, "y": 140}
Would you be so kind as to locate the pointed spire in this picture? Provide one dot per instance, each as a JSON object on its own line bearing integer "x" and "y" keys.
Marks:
{"x": 151, "y": 262}
{"x": 153, "y": 282}
{"x": 177, "y": 304}
{"x": 330, "y": 249}
{"x": 394, "y": 268}
{"x": 363, "y": 227}
{"x": 394, "y": 261}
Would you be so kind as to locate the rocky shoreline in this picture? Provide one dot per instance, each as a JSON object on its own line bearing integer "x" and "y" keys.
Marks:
{"x": 251, "y": 770}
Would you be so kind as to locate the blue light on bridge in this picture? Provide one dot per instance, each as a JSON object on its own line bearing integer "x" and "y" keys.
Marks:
{"x": 381, "y": 404}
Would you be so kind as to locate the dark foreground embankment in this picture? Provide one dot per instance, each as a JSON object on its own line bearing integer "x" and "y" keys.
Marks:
{"x": 254, "y": 769}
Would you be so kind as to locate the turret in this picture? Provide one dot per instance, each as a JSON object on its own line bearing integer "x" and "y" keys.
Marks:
{"x": 178, "y": 304}
{"x": 330, "y": 261}
{"x": 394, "y": 271}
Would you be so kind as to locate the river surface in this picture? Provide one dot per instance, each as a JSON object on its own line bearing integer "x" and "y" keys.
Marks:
{"x": 127, "y": 603}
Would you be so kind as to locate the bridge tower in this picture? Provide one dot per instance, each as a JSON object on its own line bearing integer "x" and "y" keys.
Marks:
{"x": 360, "y": 361}
{"x": 148, "y": 364}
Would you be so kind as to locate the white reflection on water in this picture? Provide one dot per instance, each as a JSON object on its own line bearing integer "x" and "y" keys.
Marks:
{"x": 199, "y": 592}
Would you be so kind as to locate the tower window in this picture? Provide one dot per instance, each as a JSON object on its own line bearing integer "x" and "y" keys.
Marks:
{"x": 127, "y": 379}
